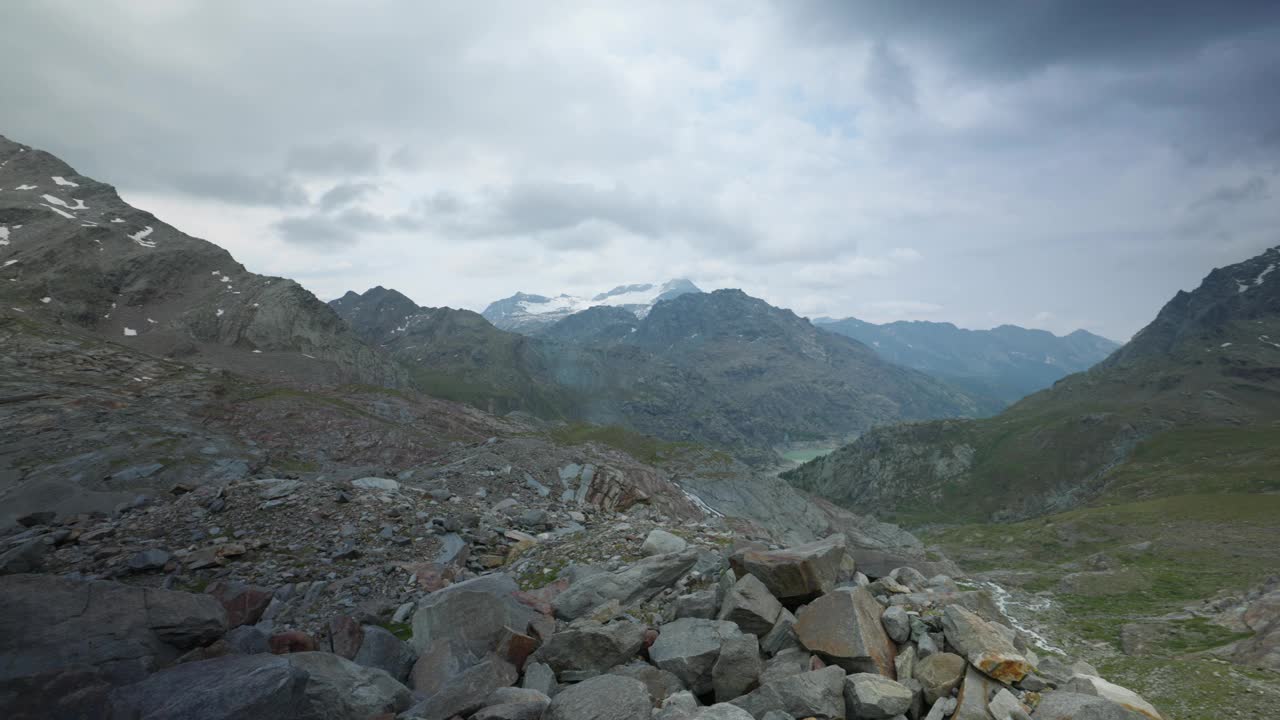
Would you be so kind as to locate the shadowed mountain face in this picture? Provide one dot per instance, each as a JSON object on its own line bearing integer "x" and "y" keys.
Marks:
{"x": 1195, "y": 387}
{"x": 720, "y": 368}
{"x": 1006, "y": 363}
{"x": 71, "y": 250}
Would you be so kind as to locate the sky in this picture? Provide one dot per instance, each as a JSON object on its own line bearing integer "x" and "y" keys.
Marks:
{"x": 1059, "y": 164}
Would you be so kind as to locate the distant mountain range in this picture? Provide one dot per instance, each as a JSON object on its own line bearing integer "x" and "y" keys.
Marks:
{"x": 1190, "y": 405}
{"x": 719, "y": 368}
{"x": 527, "y": 313}
{"x": 1006, "y": 363}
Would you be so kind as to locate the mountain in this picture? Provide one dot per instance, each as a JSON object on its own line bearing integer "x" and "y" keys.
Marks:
{"x": 1007, "y": 362}
{"x": 719, "y": 368}
{"x": 1191, "y": 404}
{"x": 72, "y": 251}
{"x": 527, "y": 313}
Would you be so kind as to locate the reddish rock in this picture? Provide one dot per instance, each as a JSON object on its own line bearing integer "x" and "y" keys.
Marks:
{"x": 515, "y": 647}
{"x": 650, "y": 637}
{"x": 844, "y": 628}
{"x": 244, "y": 603}
{"x": 431, "y": 576}
{"x": 345, "y": 634}
{"x": 292, "y": 641}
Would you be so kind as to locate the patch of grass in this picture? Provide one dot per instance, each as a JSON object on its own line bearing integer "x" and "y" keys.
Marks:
{"x": 403, "y": 631}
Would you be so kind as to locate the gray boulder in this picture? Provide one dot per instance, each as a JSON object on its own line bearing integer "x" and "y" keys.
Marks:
{"x": 749, "y": 605}
{"x": 234, "y": 687}
{"x": 605, "y": 697}
{"x": 939, "y": 674}
{"x": 942, "y": 708}
{"x": 539, "y": 676}
{"x": 875, "y": 697}
{"x": 591, "y": 646}
{"x": 50, "y": 624}
{"x": 983, "y": 645}
{"x": 800, "y": 572}
{"x": 661, "y": 542}
{"x": 680, "y": 706}
{"x": 660, "y": 683}
{"x": 975, "y": 689}
{"x": 465, "y": 692}
{"x": 338, "y": 688}
{"x": 382, "y": 650}
{"x": 897, "y": 624}
{"x": 1122, "y": 696}
{"x": 781, "y": 636}
{"x": 633, "y": 584}
{"x": 737, "y": 669}
{"x": 815, "y": 693}
{"x": 1063, "y": 705}
{"x": 701, "y": 604}
{"x": 25, "y": 557}
{"x": 688, "y": 648}
{"x": 722, "y": 711}
{"x": 513, "y": 704}
{"x": 844, "y": 628}
{"x": 791, "y": 661}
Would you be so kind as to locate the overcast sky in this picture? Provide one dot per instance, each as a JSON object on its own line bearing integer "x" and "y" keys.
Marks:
{"x": 1056, "y": 164}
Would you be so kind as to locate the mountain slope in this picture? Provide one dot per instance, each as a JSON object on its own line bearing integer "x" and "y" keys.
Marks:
{"x": 718, "y": 368}
{"x": 1208, "y": 364}
{"x": 527, "y": 313}
{"x": 72, "y": 250}
{"x": 1006, "y": 362}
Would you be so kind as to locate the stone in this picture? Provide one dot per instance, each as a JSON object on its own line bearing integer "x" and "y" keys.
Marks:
{"x": 339, "y": 688}
{"x": 515, "y": 647}
{"x": 798, "y": 573}
{"x": 904, "y": 664}
{"x": 465, "y": 692}
{"x": 941, "y": 708}
{"x": 817, "y": 693}
{"x": 737, "y": 669}
{"x": 50, "y": 624}
{"x": 592, "y": 647}
{"x": 234, "y": 686}
{"x": 274, "y": 488}
{"x": 383, "y": 650}
{"x": 633, "y": 584}
{"x": 511, "y": 711}
{"x": 1122, "y": 696}
{"x": 660, "y": 683}
{"x": 26, "y": 557}
{"x": 148, "y": 560}
{"x": 345, "y": 636}
{"x": 749, "y": 605}
{"x": 874, "y": 697}
{"x": 247, "y": 640}
{"x": 781, "y": 636}
{"x": 791, "y": 661}
{"x": 971, "y": 701}
{"x": 539, "y": 676}
{"x": 1005, "y": 706}
{"x": 661, "y": 542}
{"x": 940, "y": 673}
{"x": 897, "y": 624}
{"x": 1063, "y": 705}
{"x": 701, "y": 604}
{"x": 605, "y": 697}
{"x": 844, "y": 628}
{"x": 688, "y": 648}
{"x": 45, "y": 517}
{"x": 721, "y": 711}
{"x": 983, "y": 645}
{"x": 244, "y": 604}
{"x": 680, "y": 706}
{"x": 376, "y": 483}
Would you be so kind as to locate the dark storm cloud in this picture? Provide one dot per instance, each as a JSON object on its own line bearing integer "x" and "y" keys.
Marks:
{"x": 315, "y": 231}
{"x": 265, "y": 190}
{"x": 339, "y": 157}
{"x": 344, "y": 194}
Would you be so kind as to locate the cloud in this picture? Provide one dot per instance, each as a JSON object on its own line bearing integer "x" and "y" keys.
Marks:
{"x": 1251, "y": 190}
{"x": 314, "y": 231}
{"x": 240, "y": 189}
{"x": 339, "y": 157}
{"x": 344, "y": 194}
{"x": 889, "y": 78}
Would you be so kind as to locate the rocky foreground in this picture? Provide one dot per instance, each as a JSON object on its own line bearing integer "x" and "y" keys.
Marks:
{"x": 454, "y": 611}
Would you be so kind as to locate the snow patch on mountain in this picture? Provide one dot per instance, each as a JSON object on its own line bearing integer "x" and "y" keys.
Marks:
{"x": 524, "y": 312}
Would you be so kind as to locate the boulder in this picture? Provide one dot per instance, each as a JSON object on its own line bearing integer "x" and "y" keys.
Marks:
{"x": 244, "y": 603}
{"x": 539, "y": 676}
{"x": 971, "y": 701}
{"x": 376, "y": 483}
{"x": 798, "y": 573}
{"x": 680, "y": 706}
{"x": 782, "y": 635}
{"x": 983, "y": 645}
{"x": 247, "y": 640}
{"x": 345, "y": 636}
{"x": 51, "y": 624}
{"x": 1122, "y": 696}
{"x": 816, "y": 693}
{"x": 904, "y": 664}
{"x": 1006, "y": 706}
{"x": 661, "y": 542}
{"x": 26, "y": 557}
{"x": 513, "y": 704}
{"x": 1062, "y": 705}
{"x": 844, "y": 628}
{"x": 941, "y": 708}
{"x": 660, "y": 683}
{"x": 721, "y": 711}
{"x": 749, "y": 605}
{"x": 148, "y": 560}
{"x": 592, "y": 647}
{"x": 737, "y": 669}
{"x": 605, "y": 697}
{"x": 234, "y": 686}
{"x": 897, "y": 624}
{"x": 464, "y": 692}
{"x": 688, "y": 648}
{"x": 630, "y": 585}
{"x": 701, "y": 604}
{"x": 791, "y": 661}
{"x": 382, "y": 650}
{"x": 874, "y": 697}
{"x": 338, "y": 688}
{"x": 939, "y": 674}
